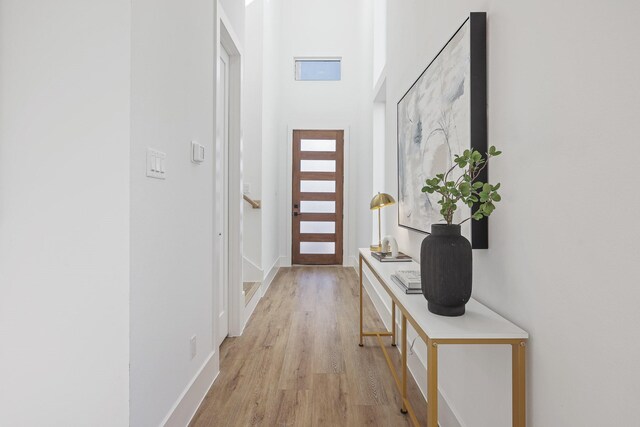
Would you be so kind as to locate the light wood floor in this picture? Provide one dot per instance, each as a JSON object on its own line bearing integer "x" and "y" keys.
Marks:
{"x": 298, "y": 362}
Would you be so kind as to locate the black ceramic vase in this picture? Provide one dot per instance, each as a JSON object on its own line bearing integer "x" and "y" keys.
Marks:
{"x": 446, "y": 270}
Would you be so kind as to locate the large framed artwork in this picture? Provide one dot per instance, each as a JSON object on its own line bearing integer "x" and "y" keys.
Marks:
{"x": 443, "y": 113}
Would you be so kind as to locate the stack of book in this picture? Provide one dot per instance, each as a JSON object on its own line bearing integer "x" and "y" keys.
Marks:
{"x": 386, "y": 257}
{"x": 408, "y": 280}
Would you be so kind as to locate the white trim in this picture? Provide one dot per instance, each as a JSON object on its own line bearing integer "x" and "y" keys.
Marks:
{"x": 252, "y": 264}
{"x": 214, "y": 232}
{"x": 285, "y": 260}
{"x": 345, "y": 190}
{"x": 250, "y": 271}
{"x": 227, "y": 38}
{"x": 380, "y": 88}
{"x": 233, "y": 38}
{"x": 415, "y": 361}
{"x": 191, "y": 398}
{"x": 266, "y": 282}
{"x": 250, "y": 308}
{"x": 222, "y": 193}
{"x": 264, "y": 285}
{"x": 317, "y": 58}
{"x": 270, "y": 276}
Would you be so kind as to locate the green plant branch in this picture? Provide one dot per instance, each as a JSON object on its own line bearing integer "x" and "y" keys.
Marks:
{"x": 466, "y": 188}
{"x": 465, "y": 220}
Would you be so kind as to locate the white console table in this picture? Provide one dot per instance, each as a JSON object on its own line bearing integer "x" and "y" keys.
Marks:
{"x": 479, "y": 325}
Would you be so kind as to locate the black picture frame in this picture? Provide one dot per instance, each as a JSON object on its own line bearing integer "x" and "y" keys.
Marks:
{"x": 478, "y": 113}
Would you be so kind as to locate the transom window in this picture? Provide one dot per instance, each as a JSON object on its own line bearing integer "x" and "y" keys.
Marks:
{"x": 318, "y": 69}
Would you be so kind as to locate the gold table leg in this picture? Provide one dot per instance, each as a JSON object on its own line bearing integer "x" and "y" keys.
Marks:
{"x": 361, "y": 343}
{"x": 518, "y": 379}
{"x": 404, "y": 364}
{"x": 393, "y": 323}
{"x": 432, "y": 384}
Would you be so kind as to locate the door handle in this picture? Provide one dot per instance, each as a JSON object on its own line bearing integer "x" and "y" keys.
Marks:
{"x": 296, "y": 212}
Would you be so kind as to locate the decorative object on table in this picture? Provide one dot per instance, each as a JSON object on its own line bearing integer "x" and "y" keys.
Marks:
{"x": 405, "y": 288}
{"x": 445, "y": 255}
{"x": 443, "y": 114}
{"x": 378, "y": 202}
{"x": 389, "y": 244}
{"x": 387, "y": 257}
{"x": 410, "y": 278}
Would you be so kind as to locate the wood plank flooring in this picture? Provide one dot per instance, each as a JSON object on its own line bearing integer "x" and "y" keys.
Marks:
{"x": 298, "y": 362}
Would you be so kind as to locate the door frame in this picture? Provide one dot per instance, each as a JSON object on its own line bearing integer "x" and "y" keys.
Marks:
{"x": 222, "y": 171}
{"x": 347, "y": 202}
{"x": 226, "y": 37}
{"x": 337, "y": 156}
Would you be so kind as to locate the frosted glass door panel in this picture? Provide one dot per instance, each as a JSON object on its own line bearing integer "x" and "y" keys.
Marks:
{"x": 317, "y": 247}
{"x": 317, "y": 165}
{"x": 317, "y": 186}
{"x": 317, "y": 227}
{"x": 317, "y": 145}
{"x": 317, "y": 197}
{"x": 309, "y": 206}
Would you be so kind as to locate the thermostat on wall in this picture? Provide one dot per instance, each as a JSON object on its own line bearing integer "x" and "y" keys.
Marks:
{"x": 197, "y": 152}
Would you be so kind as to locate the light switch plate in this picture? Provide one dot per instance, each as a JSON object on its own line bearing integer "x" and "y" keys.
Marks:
{"x": 156, "y": 164}
{"x": 197, "y": 152}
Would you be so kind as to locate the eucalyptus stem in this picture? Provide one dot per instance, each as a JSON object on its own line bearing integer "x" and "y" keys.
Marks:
{"x": 466, "y": 188}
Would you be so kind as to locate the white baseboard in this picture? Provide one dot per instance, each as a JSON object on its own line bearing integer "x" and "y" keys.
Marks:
{"x": 249, "y": 308}
{"x": 353, "y": 262}
{"x": 415, "y": 361}
{"x": 265, "y": 282}
{"x": 285, "y": 261}
{"x": 250, "y": 271}
{"x": 189, "y": 401}
{"x": 271, "y": 275}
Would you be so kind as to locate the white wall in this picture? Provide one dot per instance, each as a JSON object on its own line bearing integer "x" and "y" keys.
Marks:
{"x": 562, "y": 263}
{"x": 330, "y": 28}
{"x": 272, "y": 134}
{"x": 172, "y": 254}
{"x": 379, "y": 37}
{"x": 252, "y": 132}
{"x": 235, "y": 11}
{"x": 64, "y": 213}
{"x": 378, "y": 180}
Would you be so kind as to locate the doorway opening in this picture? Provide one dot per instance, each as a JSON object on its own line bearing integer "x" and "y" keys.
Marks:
{"x": 222, "y": 195}
{"x": 317, "y": 197}
{"x": 228, "y": 293}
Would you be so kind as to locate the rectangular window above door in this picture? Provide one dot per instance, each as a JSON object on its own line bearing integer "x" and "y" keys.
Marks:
{"x": 318, "y": 69}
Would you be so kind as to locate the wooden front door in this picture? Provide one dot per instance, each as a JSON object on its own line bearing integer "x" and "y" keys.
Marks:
{"x": 318, "y": 166}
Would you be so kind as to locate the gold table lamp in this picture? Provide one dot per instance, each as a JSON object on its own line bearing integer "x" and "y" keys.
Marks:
{"x": 378, "y": 202}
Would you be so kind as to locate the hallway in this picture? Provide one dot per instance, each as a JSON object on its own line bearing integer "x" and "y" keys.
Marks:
{"x": 298, "y": 362}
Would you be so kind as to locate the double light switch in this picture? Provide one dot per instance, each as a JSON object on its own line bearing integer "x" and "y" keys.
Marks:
{"x": 156, "y": 167}
{"x": 156, "y": 160}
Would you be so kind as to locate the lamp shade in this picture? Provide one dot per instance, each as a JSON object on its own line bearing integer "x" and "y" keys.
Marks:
{"x": 381, "y": 200}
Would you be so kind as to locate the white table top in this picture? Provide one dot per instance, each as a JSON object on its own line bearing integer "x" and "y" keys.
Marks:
{"x": 478, "y": 322}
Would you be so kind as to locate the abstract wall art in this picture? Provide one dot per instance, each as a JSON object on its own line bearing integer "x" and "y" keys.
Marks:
{"x": 442, "y": 114}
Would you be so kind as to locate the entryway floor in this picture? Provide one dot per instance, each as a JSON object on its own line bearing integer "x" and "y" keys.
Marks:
{"x": 298, "y": 362}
